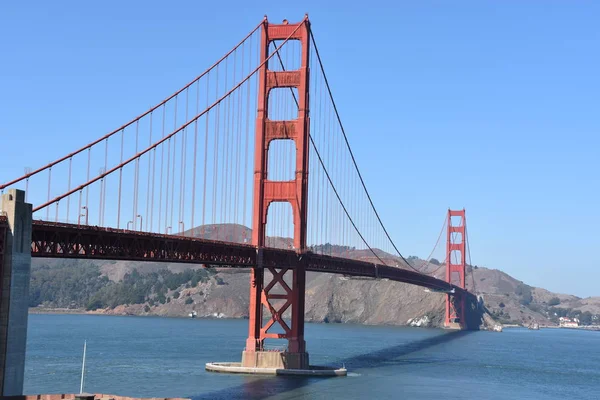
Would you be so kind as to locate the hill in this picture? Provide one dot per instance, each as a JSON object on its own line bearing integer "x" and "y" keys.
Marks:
{"x": 128, "y": 287}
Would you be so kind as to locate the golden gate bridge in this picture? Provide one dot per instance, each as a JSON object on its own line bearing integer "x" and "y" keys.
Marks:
{"x": 256, "y": 140}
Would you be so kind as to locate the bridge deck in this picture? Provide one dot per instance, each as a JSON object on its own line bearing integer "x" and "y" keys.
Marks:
{"x": 60, "y": 240}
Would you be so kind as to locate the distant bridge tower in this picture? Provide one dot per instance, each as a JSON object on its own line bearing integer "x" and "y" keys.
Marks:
{"x": 266, "y": 192}
{"x": 455, "y": 269}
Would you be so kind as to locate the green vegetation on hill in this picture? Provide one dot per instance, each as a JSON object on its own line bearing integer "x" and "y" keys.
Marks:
{"x": 65, "y": 286}
{"x": 83, "y": 286}
{"x": 554, "y": 301}
{"x": 524, "y": 293}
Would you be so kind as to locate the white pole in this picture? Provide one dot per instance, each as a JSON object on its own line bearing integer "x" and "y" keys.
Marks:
{"x": 83, "y": 367}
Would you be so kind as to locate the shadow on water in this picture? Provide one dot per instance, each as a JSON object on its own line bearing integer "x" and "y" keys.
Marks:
{"x": 391, "y": 355}
{"x": 261, "y": 387}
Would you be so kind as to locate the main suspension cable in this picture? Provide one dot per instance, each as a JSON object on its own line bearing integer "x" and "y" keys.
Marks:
{"x": 327, "y": 172}
{"x": 164, "y": 139}
{"x": 470, "y": 260}
{"x": 352, "y": 154}
{"x": 108, "y": 135}
{"x": 434, "y": 247}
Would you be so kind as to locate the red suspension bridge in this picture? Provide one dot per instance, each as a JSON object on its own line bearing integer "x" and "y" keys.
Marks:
{"x": 255, "y": 141}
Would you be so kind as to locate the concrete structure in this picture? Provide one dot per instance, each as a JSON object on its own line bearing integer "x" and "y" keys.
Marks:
{"x": 271, "y": 298}
{"x": 274, "y": 359}
{"x": 97, "y": 396}
{"x": 568, "y": 322}
{"x": 278, "y": 275}
{"x": 14, "y": 291}
{"x": 237, "y": 368}
{"x": 456, "y": 306}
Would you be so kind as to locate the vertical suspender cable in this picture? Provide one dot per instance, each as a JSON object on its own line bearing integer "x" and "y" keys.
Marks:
{"x": 172, "y": 225}
{"x": 136, "y": 177}
{"x": 224, "y": 165}
{"x": 162, "y": 159}
{"x": 87, "y": 189}
{"x": 149, "y": 208}
{"x": 205, "y": 158}
{"x": 120, "y": 182}
{"x": 216, "y": 155}
{"x": 193, "y": 227}
{"x": 69, "y": 189}
{"x": 103, "y": 184}
{"x": 168, "y": 181}
{"x": 247, "y": 139}
{"x": 238, "y": 144}
{"x": 100, "y": 201}
{"x": 183, "y": 162}
{"x": 231, "y": 165}
{"x": 79, "y": 209}
{"x": 351, "y": 153}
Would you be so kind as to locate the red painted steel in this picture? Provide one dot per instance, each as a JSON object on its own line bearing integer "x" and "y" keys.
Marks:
{"x": 136, "y": 119}
{"x": 284, "y": 290}
{"x": 455, "y": 267}
{"x": 292, "y": 35}
{"x": 59, "y": 240}
{"x": 266, "y": 192}
{"x": 75, "y": 241}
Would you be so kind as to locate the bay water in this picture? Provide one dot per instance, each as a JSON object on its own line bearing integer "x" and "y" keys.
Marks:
{"x": 165, "y": 357}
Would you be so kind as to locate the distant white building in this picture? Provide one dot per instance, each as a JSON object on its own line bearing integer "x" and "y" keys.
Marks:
{"x": 568, "y": 322}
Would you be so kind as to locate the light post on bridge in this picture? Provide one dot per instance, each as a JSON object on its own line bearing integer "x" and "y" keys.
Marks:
{"x": 182, "y": 225}
{"x": 129, "y": 222}
{"x": 167, "y": 230}
{"x": 27, "y": 172}
{"x": 83, "y": 215}
{"x": 141, "y": 220}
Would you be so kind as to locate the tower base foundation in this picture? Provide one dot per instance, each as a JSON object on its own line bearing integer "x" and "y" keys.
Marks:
{"x": 274, "y": 359}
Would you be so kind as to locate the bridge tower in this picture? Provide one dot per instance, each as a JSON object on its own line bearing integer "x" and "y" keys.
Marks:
{"x": 455, "y": 269}
{"x": 266, "y": 192}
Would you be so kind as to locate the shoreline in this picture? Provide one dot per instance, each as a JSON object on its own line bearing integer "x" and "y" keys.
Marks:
{"x": 36, "y": 310}
{"x": 82, "y": 311}
{"x": 579, "y": 328}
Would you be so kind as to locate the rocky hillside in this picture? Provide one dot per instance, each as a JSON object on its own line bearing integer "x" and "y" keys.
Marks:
{"x": 329, "y": 298}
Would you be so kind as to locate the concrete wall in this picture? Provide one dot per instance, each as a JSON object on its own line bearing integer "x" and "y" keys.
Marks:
{"x": 14, "y": 296}
{"x": 274, "y": 359}
{"x": 72, "y": 396}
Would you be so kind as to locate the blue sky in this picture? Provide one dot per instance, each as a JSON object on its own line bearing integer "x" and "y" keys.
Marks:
{"x": 490, "y": 106}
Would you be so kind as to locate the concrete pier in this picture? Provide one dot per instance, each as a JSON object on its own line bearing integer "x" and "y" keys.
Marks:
{"x": 274, "y": 359}
{"x": 238, "y": 368}
{"x": 453, "y": 326}
{"x": 14, "y": 291}
{"x": 274, "y": 363}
